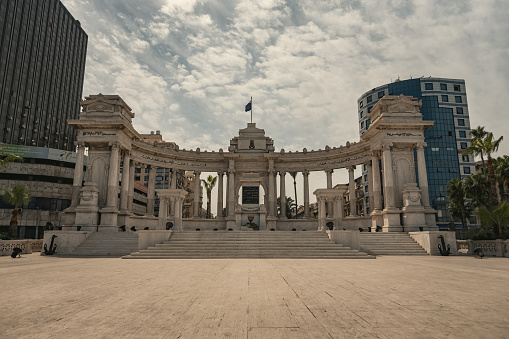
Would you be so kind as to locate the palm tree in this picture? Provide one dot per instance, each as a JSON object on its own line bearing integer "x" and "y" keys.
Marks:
{"x": 290, "y": 206}
{"x": 487, "y": 146}
{"x": 8, "y": 159}
{"x": 458, "y": 207}
{"x": 476, "y": 187}
{"x": 496, "y": 217}
{"x": 479, "y": 133}
{"x": 209, "y": 185}
{"x": 502, "y": 173}
{"x": 17, "y": 196}
{"x": 294, "y": 176}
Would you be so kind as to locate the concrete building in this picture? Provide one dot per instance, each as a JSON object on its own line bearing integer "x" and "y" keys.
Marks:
{"x": 42, "y": 65}
{"x": 444, "y": 101}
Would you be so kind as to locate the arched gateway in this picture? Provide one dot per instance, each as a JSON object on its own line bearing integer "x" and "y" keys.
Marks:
{"x": 249, "y": 168}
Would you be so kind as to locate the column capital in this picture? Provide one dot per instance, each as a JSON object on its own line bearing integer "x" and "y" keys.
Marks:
{"x": 421, "y": 145}
{"x": 231, "y": 171}
{"x": 329, "y": 171}
{"x": 196, "y": 172}
{"x": 351, "y": 168}
{"x": 113, "y": 145}
{"x": 282, "y": 173}
{"x": 387, "y": 145}
{"x": 305, "y": 173}
{"x": 220, "y": 173}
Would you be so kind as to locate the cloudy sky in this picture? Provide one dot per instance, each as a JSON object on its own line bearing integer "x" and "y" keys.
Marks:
{"x": 188, "y": 67}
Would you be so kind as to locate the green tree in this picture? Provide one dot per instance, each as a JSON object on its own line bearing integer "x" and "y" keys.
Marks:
{"x": 458, "y": 206}
{"x": 290, "y": 207}
{"x": 294, "y": 176}
{"x": 17, "y": 195}
{"x": 488, "y": 145}
{"x": 479, "y": 133}
{"x": 495, "y": 217}
{"x": 209, "y": 185}
{"x": 502, "y": 175}
{"x": 476, "y": 187}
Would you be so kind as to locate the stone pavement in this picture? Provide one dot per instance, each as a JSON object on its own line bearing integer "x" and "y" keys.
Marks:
{"x": 390, "y": 297}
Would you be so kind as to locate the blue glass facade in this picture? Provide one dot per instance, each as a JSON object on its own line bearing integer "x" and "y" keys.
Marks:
{"x": 444, "y": 102}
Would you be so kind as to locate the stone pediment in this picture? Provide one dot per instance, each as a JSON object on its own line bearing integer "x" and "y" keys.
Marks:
{"x": 105, "y": 106}
{"x": 252, "y": 140}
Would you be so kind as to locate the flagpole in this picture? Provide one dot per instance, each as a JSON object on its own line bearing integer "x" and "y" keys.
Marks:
{"x": 251, "y": 109}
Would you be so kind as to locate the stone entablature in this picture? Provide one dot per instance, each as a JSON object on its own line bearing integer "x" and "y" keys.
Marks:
{"x": 105, "y": 127}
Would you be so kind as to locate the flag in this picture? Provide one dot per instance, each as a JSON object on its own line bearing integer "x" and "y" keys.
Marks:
{"x": 248, "y": 106}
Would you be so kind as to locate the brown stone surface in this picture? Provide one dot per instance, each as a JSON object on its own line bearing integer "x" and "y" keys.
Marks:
{"x": 390, "y": 297}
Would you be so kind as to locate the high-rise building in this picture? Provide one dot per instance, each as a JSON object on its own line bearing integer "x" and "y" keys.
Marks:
{"x": 445, "y": 102}
{"x": 42, "y": 66}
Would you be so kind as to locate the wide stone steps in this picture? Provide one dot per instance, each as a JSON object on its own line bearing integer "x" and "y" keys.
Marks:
{"x": 108, "y": 244}
{"x": 235, "y": 244}
{"x": 390, "y": 244}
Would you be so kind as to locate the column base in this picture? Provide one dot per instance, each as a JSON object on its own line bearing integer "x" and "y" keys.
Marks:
{"x": 377, "y": 219}
{"x": 271, "y": 223}
{"x": 392, "y": 220}
{"x": 109, "y": 219}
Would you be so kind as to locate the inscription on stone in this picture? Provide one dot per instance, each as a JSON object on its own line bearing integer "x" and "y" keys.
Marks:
{"x": 250, "y": 195}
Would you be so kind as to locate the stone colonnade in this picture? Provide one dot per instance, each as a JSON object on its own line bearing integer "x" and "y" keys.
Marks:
{"x": 396, "y": 130}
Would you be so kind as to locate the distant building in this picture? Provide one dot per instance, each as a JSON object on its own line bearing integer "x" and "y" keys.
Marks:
{"x": 445, "y": 102}
{"x": 42, "y": 64}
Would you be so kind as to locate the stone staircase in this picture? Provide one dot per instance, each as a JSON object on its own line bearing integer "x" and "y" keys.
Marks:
{"x": 249, "y": 244}
{"x": 388, "y": 243}
{"x": 108, "y": 244}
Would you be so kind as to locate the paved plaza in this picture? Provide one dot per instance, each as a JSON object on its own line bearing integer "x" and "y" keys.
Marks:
{"x": 390, "y": 297}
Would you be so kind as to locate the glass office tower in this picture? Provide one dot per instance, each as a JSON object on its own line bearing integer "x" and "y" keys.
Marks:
{"x": 42, "y": 65}
{"x": 445, "y": 102}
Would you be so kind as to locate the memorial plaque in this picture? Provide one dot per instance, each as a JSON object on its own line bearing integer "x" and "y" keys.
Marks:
{"x": 250, "y": 195}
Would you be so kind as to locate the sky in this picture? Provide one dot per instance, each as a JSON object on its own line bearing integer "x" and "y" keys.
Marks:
{"x": 188, "y": 67}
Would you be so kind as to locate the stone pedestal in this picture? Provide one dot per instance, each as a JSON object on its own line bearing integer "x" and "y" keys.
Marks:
{"x": 109, "y": 219}
{"x": 412, "y": 212}
{"x": 392, "y": 220}
{"x": 431, "y": 221}
{"x": 377, "y": 219}
{"x": 87, "y": 211}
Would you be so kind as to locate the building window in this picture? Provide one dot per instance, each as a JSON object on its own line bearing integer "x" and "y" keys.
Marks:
{"x": 368, "y": 122}
{"x": 445, "y": 98}
{"x": 465, "y": 158}
{"x": 428, "y": 86}
{"x": 443, "y": 87}
{"x": 159, "y": 178}
{"x": 369, "y": 99}
{"x": 361, "y": 114}
{"x": 381, "y": 94}
{"x": 459, "y": 110}
{"x": 461, "y": 122}
{"x": 463, "y": 145}
{"x": 457, "y": 88}
{"x": 458, "y": 99}
{"x": 466, "y": 170}
{"x": 463, "y": 134}
{"x": 361, "y": 104}
{"x": 434, "y": 149}
{"x": 369, "y": 109}
{"x": 362, "y": 124}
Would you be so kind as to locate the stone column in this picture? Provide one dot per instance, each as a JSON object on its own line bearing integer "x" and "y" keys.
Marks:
{"x": 271, "y": 173}
{"x": 282, "y": 194}
{"x": 220, "y": 194}
{"x": 305, "y": 173}
{"x": 389, "y": 197}
{"x": 151, "y": 190}
{"x": 423, "y": 178}
{"x": 321, "y": 213}
{"x": 370, "y": 190}
{"x": 78, "y": 175}
{"x": 178, "y": 213}
{"x": 130, "y": 193}
{"x": 377, "y": 190}
{"x": 351, "y": 190}
{"x": 329, "y": 185}
{"x": 231, "y": 189}
{"x": 124, "y": 188}
{"x": 173, "y": 178}
{"x": 163, "y": 212}
{"x": 112, "y": 195}
{"x": 197, "y": 182}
